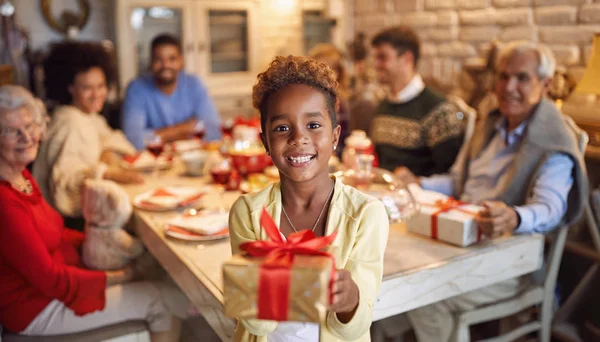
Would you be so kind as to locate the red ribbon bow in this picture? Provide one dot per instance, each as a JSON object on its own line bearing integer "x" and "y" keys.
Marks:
{"x": 276, "y": 269}
{"x": 444, "y": 206}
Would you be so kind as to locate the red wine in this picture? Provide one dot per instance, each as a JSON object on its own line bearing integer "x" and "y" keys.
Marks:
{"x": 221, "y": 176}
{"x": 156, "y": 149}
{"x": 200, "y": 134}
{"x": 227, "y": 130}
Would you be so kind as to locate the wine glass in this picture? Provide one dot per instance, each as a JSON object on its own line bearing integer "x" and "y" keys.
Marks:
{"x": 221, "y": 173}
{"x": 399, "y": 202}
{"x": 156, "y": 146}
{"x": 227, "y": 128}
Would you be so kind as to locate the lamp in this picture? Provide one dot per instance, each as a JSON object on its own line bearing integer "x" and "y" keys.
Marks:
{"x": 583, "y": 104}
{"x": 590, "y": 82}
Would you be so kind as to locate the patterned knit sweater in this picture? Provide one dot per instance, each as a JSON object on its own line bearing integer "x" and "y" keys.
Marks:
{"x": 423, "y": 134}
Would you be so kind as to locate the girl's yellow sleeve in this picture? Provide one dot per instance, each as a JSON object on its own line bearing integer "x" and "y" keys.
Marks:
{"x": 240, "y": 230}
{"x": 365, "y": 264}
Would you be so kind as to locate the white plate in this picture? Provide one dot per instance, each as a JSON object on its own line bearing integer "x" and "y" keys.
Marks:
{"x": 203, "y": 223}
{"x": 181, "y": 146}
{"x": 180, "y": 234}
{"x": 180, "y": 192}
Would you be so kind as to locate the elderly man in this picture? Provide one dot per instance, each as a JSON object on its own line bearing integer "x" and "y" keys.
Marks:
{"x": 523, "y": 166}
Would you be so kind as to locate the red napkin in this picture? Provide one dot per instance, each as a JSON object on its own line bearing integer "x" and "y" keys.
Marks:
{"x": 162, "y": 192}
{"x": 191, "y": 199}
{"x": 131, "y": 158}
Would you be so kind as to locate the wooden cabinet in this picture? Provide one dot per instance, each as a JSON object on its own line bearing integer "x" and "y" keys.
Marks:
{"x": 219, "y": 40}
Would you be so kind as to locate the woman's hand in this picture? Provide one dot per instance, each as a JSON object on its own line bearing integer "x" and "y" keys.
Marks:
{"x": 123, "y": 176}
{"x": 345, "y": 296}
{"x": 119, "y": 276}
{"x": 110, "y": 158}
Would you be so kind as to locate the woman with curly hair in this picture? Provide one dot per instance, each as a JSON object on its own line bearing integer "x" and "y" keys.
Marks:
{"x": 296, "y": 97}
{"x": 79, "y": 143}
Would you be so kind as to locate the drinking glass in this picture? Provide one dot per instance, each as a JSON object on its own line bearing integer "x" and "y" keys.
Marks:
{"x": 154, "y": 145}
{"x": 399, "y": 202}
{"x": 221, "y": 173}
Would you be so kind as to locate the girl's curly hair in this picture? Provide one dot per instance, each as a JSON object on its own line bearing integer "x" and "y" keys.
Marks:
{"x": 284, "y": 71}
{"x": 68, "y": 59}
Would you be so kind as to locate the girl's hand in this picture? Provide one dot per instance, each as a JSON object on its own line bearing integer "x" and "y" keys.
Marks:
{"x": 345, "y": 296}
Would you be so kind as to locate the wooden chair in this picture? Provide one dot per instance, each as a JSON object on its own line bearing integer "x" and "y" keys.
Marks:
{"x": 470, "y": 114}
{"x": 541, "y": 295}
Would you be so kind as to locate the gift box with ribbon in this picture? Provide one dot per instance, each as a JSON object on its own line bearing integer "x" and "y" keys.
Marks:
{"x": 280, "y": 280}
{"x": 447, "y": 220}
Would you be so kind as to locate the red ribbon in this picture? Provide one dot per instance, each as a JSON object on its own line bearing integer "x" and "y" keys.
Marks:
{"x": 276, "y": 269}
{"x": 444, "y": 206}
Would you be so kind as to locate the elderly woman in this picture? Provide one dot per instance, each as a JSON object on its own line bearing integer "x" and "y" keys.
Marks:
{"x": 79, "y": 143}
{"x": 44, "y": 290}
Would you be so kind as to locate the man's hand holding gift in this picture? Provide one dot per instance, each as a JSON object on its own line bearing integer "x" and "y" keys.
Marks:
{"x": 497, "y": 219}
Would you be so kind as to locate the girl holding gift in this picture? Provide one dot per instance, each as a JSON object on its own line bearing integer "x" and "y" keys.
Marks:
{"x": 297, "y": 100}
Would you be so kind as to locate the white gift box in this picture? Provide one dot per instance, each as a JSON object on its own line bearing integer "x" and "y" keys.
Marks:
{"x": 453, "y": 225}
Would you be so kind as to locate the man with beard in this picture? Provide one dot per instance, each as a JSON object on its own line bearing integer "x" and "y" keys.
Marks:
{"x": 168, "y": 101}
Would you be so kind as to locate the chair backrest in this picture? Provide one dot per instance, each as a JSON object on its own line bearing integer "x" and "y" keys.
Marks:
{"x": 558, "y": 243}
{"x": 470, "y": 114}
{"x": 581, "y": 135}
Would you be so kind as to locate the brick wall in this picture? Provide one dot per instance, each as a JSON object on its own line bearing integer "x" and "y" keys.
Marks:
{"x": 454, "y": 30}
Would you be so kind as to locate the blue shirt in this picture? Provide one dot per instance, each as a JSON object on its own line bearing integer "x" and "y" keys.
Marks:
{"x": 545, "y": 206}
{"x": 146, "y": 108}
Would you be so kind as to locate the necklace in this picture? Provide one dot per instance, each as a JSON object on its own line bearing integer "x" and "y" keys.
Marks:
{"x": 26, "y": 188}
{"x": 318, "y": 218}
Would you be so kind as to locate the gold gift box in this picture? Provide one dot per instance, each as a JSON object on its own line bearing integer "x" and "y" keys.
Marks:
{"x": 308, "y": 291}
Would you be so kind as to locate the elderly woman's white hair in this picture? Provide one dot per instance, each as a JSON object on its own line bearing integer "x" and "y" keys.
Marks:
{"x": 546, "y": 60}
{"x": 14, "y": 97}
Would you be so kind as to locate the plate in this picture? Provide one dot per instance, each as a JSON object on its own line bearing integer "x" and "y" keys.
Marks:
{"x": 182, "y": 234}
{"x": 146, "y": 162}
{"x": 181, "y": 146}
{"x": 172, "y": 198}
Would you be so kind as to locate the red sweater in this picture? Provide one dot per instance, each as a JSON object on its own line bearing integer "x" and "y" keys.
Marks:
{"x": 39, "y": 261}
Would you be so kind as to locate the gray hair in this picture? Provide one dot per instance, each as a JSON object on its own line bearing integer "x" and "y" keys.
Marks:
{"x": 14, "y": 97}
{"x": 546, "y": 60}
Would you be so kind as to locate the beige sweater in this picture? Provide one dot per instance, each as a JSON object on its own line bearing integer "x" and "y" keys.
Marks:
{"x": 70, "y": 153}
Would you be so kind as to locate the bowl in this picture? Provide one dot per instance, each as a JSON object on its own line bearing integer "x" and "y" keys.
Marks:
{"x": 194, "y": 162}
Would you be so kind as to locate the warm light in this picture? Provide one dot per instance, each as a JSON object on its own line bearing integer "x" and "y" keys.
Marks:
{"x": 590, "y": 82}
{"x": 284, "y": 6}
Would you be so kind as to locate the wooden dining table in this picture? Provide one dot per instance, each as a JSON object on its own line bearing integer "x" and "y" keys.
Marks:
{"x": 417, "y": 270}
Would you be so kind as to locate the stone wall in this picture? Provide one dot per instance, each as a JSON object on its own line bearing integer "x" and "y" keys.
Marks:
{"x": 454, "y": 30}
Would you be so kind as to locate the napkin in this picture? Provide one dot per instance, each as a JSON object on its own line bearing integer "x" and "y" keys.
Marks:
{"x": 204, "y": 224}
{"x": 168, "y": 198}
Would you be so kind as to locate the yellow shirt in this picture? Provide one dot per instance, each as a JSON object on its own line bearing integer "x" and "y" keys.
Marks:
{"x": 362, "y": 225}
